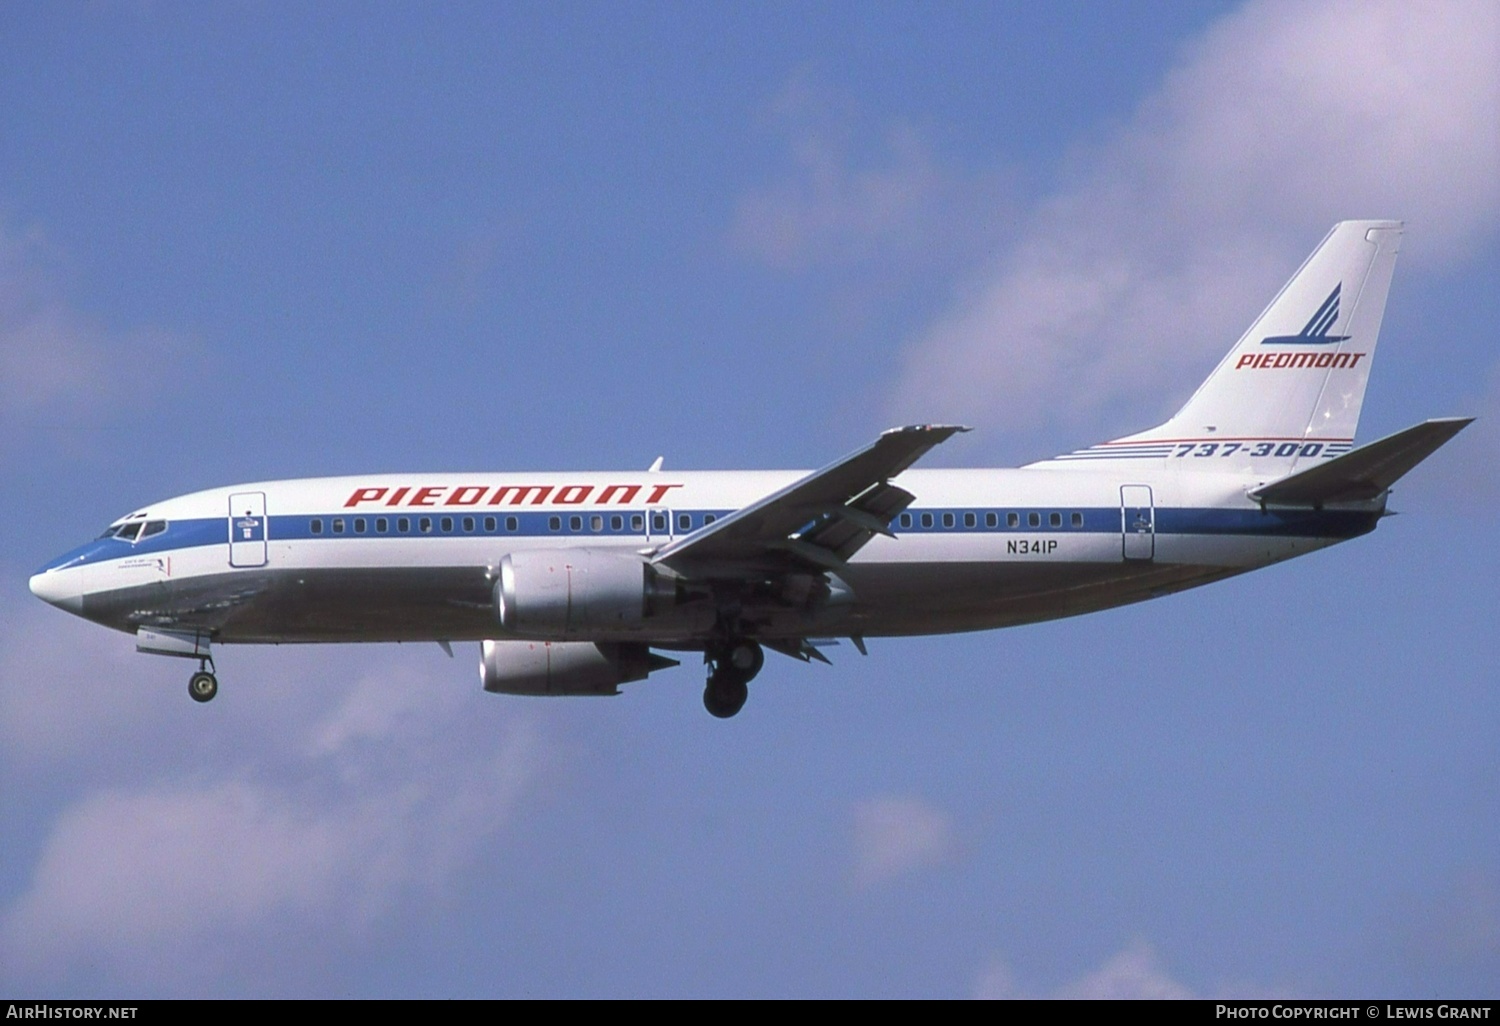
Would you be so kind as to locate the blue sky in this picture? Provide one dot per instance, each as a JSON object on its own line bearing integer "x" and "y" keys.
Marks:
{"x": 240, "y": 242}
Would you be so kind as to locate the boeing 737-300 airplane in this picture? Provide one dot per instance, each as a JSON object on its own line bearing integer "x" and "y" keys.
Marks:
{"x": 575, "y": 583}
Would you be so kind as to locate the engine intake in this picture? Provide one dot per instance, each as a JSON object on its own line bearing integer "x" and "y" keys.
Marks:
{"x": 559, "y": 593}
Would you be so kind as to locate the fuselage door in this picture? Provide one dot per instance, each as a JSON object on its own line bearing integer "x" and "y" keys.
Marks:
{"x": 1137, "y": 522}
{"x": 658, "y": 525}
{"x": 247, "y": 529}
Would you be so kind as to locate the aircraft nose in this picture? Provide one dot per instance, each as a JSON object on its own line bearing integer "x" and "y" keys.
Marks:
{"x": 59, "y": 588}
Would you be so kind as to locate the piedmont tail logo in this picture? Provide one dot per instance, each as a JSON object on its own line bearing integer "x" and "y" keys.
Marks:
{"x": 1313, "y": 333}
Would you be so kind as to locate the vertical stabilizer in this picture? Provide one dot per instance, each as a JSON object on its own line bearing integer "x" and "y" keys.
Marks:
{"x": 1291, "y": 388}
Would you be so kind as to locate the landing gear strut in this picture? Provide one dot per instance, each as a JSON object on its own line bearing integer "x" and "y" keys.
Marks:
{"x": 203, "y": 685}
{"x": 732, "y": 666}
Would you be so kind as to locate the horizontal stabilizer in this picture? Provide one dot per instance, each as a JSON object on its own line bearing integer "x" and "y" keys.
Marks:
{"x": 1365, "y": 473}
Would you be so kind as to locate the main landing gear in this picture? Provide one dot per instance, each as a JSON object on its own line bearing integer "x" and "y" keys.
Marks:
{"x": 203, "y": 685}
{"x": 732, "y": 666}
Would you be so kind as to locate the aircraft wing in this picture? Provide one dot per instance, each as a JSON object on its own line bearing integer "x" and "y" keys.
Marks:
{"x": 819, "y": 521}
{"x": 1367, "y": 471}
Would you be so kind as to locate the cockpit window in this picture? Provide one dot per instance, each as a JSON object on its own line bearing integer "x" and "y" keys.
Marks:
{"x": 136, "y": 530}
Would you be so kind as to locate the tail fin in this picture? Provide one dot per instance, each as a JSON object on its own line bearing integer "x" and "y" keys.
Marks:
{"x": 1291, "y": 388}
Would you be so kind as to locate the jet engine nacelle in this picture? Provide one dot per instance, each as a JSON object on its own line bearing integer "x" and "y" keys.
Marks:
{"x": 564, "y": 667}
{"x": 558, "y": 593}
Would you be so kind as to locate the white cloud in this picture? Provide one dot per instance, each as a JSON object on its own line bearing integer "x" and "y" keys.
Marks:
{"x": 140, "y": 879}
{"x": 64, "y": 684}
{"x": 895, "y": 835}
{"x": 1127, "y": 284}
{"x": 1135, "y": 972}
{"x": 848, "y": 200}
{"x": 283, "y": 810}
{"x": 125, "y": 870}
{"x": 55, "y": 360}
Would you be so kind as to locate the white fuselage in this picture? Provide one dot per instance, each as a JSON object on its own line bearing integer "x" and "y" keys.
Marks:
{"x": 415, "y": 557}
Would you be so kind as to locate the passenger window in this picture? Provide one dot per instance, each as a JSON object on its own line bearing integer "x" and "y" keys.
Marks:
{"x": 554, "y": 523}
{"x": 425, "y": 525}
{"x": 926, "y": 519}
{"x": 637, "y": 522}
{"x": 403, "y": 525}
{"x": 512, "y": 524}
{"x": 1012, "y": 520}
{"x": 906, "y": 520}
{"x": 359, "y": 525}
{"x": 338, "y": 525}
{"x": 316, "y": 526}
{"x": 1055, "y": 519}
{"x": 447, "y": 524}
{"x": 489, "y": 524}
{"x": 596, "y": 522}
{"x": 1077, "y": 519}
{"x": 709, "y": 518}
{"x": 659, "y": 522}
{"x": 970, "y": 520}
{"x": 468, "y": 523}
{"x": 616, "y": 522}
{"x": 992, "y": 520}
{"x": 1034, "y": 519}
{"x": 684, "y": 521}
{"x": 947, "y": 519}
{"x": 575, "y": 523}
{"x": 382, "y": 525}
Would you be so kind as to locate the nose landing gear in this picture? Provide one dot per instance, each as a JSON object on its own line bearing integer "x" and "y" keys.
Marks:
{"x": 732, "y": 666}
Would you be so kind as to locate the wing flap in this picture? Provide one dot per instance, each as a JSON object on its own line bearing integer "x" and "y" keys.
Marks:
{"x": 821, "y": 519}
{"x": 1365, "y": 473}
{"x": 805, "y": 649}
{"x": 844, "y": 530}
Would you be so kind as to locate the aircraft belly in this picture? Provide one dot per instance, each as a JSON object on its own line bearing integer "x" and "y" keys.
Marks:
{"x": 312, "y": 605}
{"x": 1239, "y": 551}
{"x": 941, "y": 597}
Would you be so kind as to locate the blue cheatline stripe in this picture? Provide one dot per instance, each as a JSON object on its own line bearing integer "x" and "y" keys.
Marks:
{"x": 186, "y": 534}
{"x": 1268, "y": 523}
